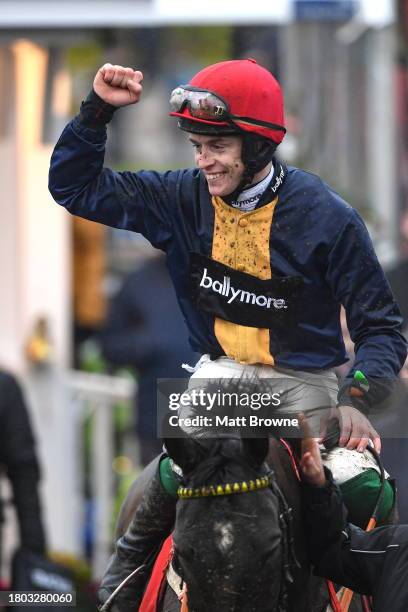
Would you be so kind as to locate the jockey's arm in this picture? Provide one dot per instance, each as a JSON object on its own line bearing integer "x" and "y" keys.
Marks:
{"x": 136, "y": 201}
{"x": 374, "y": 321}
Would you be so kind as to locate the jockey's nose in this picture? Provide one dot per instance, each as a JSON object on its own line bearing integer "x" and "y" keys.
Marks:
{"x": 204, "y": 160}
{"x": 204, "y": 157}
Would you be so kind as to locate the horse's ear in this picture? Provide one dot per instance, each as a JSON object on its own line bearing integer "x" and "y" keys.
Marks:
{"x": 183, "y": 451}
{"x": 256, "y": 448}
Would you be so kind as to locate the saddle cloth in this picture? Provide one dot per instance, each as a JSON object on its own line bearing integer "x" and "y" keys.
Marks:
{"x": 158, "y": 575}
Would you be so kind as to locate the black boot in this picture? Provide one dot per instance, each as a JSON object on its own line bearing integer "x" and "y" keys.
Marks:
{"x": 150, "y": 526}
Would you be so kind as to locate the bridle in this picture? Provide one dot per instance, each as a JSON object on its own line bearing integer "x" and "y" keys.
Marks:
{"x": 230, "y": 488}
{"x": 260, "y": 483}
{"x": 248, "y": 486}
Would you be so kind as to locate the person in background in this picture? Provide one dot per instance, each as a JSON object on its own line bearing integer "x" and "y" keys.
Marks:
{"x": 394, "y": 427}
{"x": 145, "y": 330}
{"x": 19, "y": 462}
{"x": 373, "y": 563}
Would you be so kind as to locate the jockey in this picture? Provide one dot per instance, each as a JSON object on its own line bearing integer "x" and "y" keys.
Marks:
{"x": 261, "y": 257}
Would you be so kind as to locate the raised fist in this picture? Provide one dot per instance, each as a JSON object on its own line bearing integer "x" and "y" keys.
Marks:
{"x": 117, "y": 85}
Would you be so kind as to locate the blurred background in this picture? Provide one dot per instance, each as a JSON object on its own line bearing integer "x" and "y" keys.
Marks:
{"x": 72, "y": 324}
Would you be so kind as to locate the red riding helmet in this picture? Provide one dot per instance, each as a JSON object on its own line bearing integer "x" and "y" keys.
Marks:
{"x": 231, "y": 97}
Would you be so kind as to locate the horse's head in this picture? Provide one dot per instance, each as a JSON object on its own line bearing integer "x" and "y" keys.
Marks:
{"x": 227, "y": 537}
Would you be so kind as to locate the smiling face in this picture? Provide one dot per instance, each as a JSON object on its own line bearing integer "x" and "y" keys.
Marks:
{"x": 219, "y": 158}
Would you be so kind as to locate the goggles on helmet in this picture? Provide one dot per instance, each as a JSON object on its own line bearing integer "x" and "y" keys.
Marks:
{"x": 207, "y": 106}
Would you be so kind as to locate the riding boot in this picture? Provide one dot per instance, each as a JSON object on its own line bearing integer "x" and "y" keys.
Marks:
{"x": 139, "y": 546}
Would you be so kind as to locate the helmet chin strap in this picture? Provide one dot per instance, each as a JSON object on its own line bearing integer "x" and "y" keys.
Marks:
{"x": 257, "y": 153}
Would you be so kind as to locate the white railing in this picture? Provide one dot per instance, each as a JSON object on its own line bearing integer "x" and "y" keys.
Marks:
{"x": 96, "y": 394}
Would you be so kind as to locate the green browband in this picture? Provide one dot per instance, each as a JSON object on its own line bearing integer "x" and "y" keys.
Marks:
{"x": 224, "y": 489}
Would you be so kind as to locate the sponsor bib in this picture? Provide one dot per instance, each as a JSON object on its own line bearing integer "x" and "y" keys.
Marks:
{"x": 242, "y": 298}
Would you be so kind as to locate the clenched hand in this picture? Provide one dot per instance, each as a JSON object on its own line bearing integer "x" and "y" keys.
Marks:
{"x": 117, "y": 85}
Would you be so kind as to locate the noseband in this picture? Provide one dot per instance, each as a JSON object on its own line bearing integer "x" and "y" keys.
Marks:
{"x": 225, "y": 489}
{"x": 218, "y": 490}
{"x": 285, "y": 519}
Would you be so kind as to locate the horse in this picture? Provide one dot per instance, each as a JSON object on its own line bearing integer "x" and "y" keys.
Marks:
{"x": 237, "y": 547}
{"x": 236, "y": 551}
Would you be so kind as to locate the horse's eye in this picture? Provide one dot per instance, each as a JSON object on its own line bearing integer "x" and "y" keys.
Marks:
{"x": 176, "y": 562}
{"x": 189, "y": 552}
